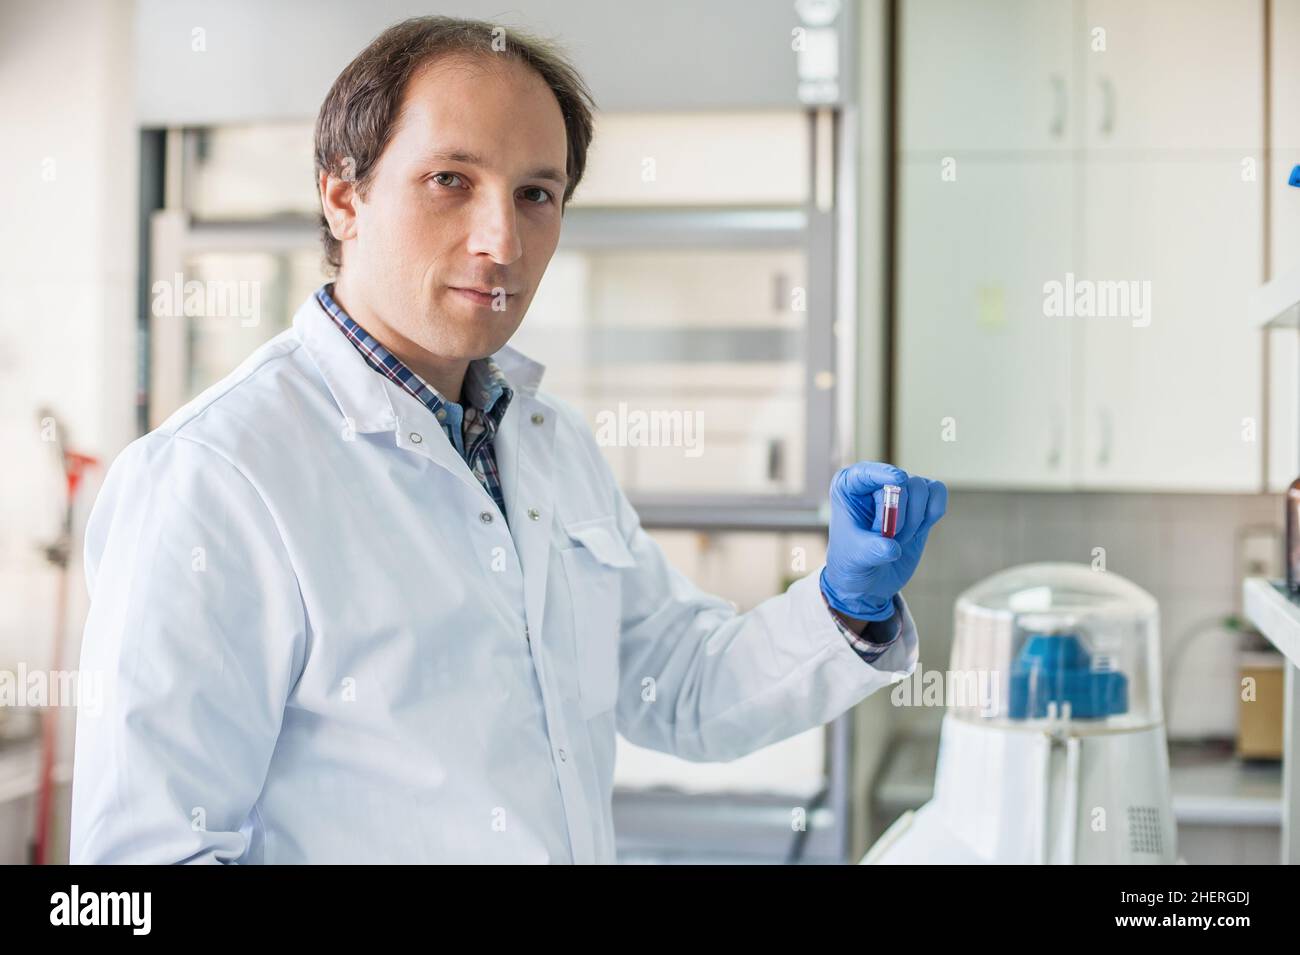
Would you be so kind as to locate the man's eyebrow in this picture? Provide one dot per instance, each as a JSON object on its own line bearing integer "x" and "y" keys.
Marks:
{"x": 474, "y": 159}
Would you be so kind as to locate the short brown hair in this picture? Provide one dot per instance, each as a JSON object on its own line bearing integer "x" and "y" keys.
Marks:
{"x": 360, "y": 111}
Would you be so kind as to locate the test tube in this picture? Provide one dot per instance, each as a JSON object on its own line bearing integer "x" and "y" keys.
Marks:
{"x": 889, "y": 515}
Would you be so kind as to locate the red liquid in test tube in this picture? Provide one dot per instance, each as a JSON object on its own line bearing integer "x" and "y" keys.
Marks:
{"x": 889, "y": 514}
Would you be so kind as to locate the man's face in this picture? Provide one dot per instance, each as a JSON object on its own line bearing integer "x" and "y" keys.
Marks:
{"x": 465, "y": 196}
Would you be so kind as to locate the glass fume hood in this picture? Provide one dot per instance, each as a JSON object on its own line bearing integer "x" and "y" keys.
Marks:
{"x": 687, "y": 312}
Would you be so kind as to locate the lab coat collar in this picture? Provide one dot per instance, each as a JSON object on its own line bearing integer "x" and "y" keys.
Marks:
{"x": 362, "y": 394}
{"x": 522, "y": 373}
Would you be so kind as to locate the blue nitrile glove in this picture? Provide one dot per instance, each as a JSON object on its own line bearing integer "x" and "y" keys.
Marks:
{"x": 863, "y": 569}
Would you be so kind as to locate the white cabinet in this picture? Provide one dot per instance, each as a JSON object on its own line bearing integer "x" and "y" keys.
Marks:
{"x": 1172, "y": 203}
{"x": 1174, "y": 74}
{"x": 983, "y": 376}
{"x": 1284, "y": 400}
{"x": 1284, "y": 233}
{"x": 1171, "y": 392}
{"x": 990, "y": 75}
{"x": 1150, "y": 191}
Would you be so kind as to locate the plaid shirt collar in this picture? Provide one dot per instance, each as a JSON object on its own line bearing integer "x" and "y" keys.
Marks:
{"x": 485, "y": 390}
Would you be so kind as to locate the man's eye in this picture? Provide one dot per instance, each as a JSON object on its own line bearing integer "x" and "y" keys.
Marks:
{"x": 545, "y": 196}
{"x": 439, "y": 177}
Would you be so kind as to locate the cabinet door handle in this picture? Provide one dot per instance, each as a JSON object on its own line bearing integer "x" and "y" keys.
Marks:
{"x": 1062, "y": 104}
{"x": 1107, "y": 106}
{"x": 775, "y": 460}
{"x": 1103, "y": 452}
{"x": 1054, "y": 451}
{"x": 780, "y": 293}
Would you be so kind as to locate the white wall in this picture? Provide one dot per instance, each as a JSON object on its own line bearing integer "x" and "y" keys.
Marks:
{"x": 67, "y": 286}
{"x": 67, "y": 265}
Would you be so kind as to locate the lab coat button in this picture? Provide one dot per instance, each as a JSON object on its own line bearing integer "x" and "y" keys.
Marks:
{"x": 534, "y": 513}
{"x": 563, "y": 757}
{"x": 538, "y": 418}
{"x": 416, "y": 437}
{"x": 486, "y": 517}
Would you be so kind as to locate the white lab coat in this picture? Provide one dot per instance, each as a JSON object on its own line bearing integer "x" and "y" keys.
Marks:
{"x": 319, "y": 645}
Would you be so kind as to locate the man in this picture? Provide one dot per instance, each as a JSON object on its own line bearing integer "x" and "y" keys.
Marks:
{"x": 374, "y": 597}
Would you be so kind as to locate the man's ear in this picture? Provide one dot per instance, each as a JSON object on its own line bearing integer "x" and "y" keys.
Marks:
{"x": 338, "y": 199}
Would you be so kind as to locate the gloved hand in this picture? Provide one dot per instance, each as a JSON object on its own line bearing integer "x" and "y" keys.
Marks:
{"x": 863, "y": 569}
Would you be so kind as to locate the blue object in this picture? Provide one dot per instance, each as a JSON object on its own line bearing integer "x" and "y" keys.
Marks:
{"x": 1295, "y": 177}
{"x": 1058, "y": 669}
{"x": 864, "y": 569}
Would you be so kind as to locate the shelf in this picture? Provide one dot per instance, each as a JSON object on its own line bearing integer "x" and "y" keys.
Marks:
{"x": 1270, "y": 608}
{"x": 671, "y": 826}
{"x": 1276, "y": 304}
{"x": 584, "y": 228}
{"x": 1274, "y": 614}
{"x": 676, "y": 228}
{"x": 694, "y": 512}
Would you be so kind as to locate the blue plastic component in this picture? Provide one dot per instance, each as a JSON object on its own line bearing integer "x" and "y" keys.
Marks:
{"x": 1295, "y": 177}
{"x": 1058, "y": 669}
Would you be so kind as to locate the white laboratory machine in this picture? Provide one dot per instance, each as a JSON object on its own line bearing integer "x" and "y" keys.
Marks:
{"x": 1052, "y": 749}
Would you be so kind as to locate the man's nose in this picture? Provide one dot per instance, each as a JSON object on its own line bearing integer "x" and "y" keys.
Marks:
{"x": 495, "y": 228}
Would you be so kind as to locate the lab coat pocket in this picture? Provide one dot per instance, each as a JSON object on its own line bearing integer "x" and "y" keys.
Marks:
{"x": 593, "y": 569}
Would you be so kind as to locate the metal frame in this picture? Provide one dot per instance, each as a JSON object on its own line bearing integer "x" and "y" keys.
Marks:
{"x": 1268, "y": 606}
{"x": 151, "y": 199}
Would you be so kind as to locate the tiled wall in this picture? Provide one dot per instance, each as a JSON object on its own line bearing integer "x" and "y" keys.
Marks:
{"x": 1184, "y": 549}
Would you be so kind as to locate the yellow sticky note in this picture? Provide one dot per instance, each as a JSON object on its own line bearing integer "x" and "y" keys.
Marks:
{"x": 992, "y": 307}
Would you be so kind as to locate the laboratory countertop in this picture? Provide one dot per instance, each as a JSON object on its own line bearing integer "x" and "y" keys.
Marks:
{"x": 1211, "y": 785}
